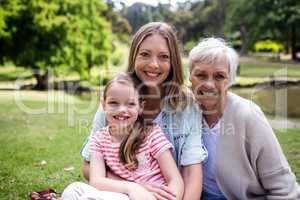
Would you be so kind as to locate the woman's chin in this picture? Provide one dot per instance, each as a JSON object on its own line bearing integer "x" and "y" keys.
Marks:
{"x": 153, "y": 82}
{"x": 209, "y": 105}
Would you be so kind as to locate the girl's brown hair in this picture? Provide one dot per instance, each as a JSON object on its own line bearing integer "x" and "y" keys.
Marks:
{"x": 136, "y": 136}
{"x": 173, "y": 85}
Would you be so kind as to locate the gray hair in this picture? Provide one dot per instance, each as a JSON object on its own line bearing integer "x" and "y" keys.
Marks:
{"x": 211, "y": 50}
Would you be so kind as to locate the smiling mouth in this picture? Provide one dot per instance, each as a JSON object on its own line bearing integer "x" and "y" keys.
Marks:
{"x": 121, "y": 118}
{"x": 203, "y": 94}
{"x": 152, "y": 74}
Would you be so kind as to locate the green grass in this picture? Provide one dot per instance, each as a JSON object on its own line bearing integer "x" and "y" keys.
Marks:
{"x": 12, "y": 73}
{"x": 290, "y": 143}
{"x": 263, "y": 70}
{"x": 56, "y": 136}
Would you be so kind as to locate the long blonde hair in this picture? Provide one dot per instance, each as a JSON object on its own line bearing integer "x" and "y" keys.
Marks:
{"x": 136, "y": 136}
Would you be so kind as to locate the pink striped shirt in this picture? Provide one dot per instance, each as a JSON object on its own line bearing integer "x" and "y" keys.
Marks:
{"x": 148, "y": 169}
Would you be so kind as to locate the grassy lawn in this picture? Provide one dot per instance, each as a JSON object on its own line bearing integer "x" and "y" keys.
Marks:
{"x": 290, "y": 143}
{"x": 263, "y": 70}
{"x": 11, "y": 72}
{"x": 51, "y": 127}
{"x": 27, "y": 140}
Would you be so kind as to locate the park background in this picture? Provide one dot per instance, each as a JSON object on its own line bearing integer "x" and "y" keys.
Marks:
{"x": 56, "y": 55}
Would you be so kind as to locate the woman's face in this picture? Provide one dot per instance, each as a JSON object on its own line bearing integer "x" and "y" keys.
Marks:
{"x": 153, "y": 62}
{"x": 209, "y": 84}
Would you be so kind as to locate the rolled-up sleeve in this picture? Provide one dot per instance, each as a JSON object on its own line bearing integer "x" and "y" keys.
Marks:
{"x": 98, "y": 123}
{"x": 193, "y": 150}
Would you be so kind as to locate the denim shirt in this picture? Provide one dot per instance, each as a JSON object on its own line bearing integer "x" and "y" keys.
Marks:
{"x": 182, "y": 128}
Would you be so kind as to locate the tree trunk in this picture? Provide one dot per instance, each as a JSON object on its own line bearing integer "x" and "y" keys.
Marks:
{"x": 42, "y": 80}
{"x": 245, "y": 40}
{"x": 293, "y": 43}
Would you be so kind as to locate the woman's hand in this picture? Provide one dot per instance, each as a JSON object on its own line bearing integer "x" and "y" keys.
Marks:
{"x": 137, "y": 192}
{"x": 160, "y": 192}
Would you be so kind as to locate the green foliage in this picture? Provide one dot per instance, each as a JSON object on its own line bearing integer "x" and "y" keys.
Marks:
{"x": 189, "y": 45}
{"x": 191, "y": 19}
{"x": 261, "y": 19}
{"x": 120, "y": 25}
{"x": 137, "y": 15}
{"x": 117, "y": 59}
{"x": 58, "y": 33}
{"x": 212, "y": 17}
{"x": 102, "y": 80}
{"x": 119, "y": 55}
{"x": 268, "y": 46}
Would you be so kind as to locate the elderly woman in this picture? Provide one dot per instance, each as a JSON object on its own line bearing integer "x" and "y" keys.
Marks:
{"x": 245, "y": 159}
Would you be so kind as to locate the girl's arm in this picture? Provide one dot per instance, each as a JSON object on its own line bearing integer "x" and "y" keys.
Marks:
{"x": 171, "y": 173}
{"x": 86, "y": 172}
{"x": 98, "y": 123}
{"x": 98, "y": 180}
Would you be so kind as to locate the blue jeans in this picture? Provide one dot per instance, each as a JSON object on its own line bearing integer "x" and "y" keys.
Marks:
{"x": 209, "y": 196}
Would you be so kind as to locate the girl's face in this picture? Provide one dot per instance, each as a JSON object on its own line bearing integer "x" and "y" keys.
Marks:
{"x": 209, "y": 84}
{"x": 121, "y": 105}
{"x": 153, "y": 62}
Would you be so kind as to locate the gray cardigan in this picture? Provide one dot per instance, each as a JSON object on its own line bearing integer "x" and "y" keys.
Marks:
{"x": 250, "y": 162}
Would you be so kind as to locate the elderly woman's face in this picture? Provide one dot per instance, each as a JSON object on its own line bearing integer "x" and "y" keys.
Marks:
{"x": 209, "y": 84}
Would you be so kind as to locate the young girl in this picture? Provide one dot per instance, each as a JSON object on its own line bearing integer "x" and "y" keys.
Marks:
{"x": 131, "y": 150}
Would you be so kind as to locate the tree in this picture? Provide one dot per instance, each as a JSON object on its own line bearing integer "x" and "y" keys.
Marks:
{"x": 211, "y": 16}
{"x": 120, "y": 25}
{"x": 194, "y": 20}
{"x": 285, "y": 18}
{"x": 8, "y": 10}
{"x": 278, "y": 19}
{"x": 46, "y": 35}
{"x": 138, "y": 14}
{"x": 246, "y": 17}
